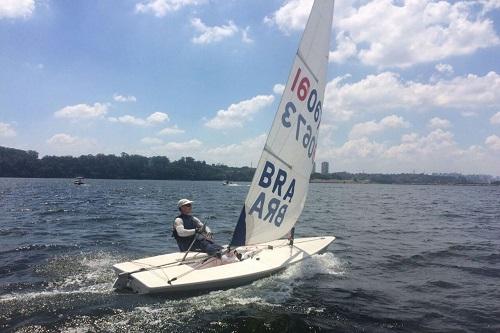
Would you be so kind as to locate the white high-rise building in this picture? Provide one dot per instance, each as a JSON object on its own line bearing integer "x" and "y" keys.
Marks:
{"x": 324, "y": 168}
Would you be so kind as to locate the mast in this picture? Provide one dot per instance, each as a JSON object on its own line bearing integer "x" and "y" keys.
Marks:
{"x": 279, "y": 187}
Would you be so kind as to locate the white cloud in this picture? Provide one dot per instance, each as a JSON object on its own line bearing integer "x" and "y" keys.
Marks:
{"x": 160, "y": 8}
{"x": 7, "y": 131}
{"x": 437, "y": 122}
{"x": 245, "y": 37}
{"x": 411, "y": 32}
{"x": 123, "y": 99}
{"x": 387, "y": 92}
{"x": 185, "y": 146}
{"x": 291, "y": 16}
{"x": 63, "y": 143}
{"x": 151, "y": 141}
{"x": 157, "y": 118}
{"x": 62, "y": 139}
{"x": 16, "y": 8}
{"x": 435, "y": 152}
{"x": 415, "y": 32}
{"x": 171, "y": 130}
{"x": 493, "y": 142}
{"x": 213, "y": 34}
{"x": 278, "y": 89}
{"x": 82, "y": 111}
{"x": 444, "y": 68}
{"x": 346, "y": 48}
{"x": 245, "y": 153}
{"x": 128, "y": 119}
{"x": 495, "y": 119}
{"x": 371, "y": 127}
{"x": 237, "y": 114}
{"x": 153, "y": 119}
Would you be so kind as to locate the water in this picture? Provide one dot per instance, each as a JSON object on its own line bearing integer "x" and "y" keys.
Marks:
{"x": 406, "y": 259}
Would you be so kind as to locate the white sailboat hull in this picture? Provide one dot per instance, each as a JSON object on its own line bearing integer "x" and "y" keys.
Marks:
{"x": 167, "y": 274}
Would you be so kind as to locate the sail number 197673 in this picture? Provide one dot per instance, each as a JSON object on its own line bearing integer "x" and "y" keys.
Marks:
{"x": 301, "y": 86}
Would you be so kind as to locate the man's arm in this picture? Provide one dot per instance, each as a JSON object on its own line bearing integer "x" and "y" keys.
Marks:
{"x": 179, "y": 227}
{"x": 200, "y": 225}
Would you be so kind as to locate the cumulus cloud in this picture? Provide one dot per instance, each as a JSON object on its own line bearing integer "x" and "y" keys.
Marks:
{"x": 157, "y": 118}
{"x": 213, "y": 34}
{"x": 444, "y": 68}
{"x": 82, "y": 111}
{"x": 495, "y": 119}
{"x": 291, "y": 16}
{"x": 124, "y": 99}
{"x": 67, "y": 144}
{"x": 151, "y": 141}
{"x": 346, "y": 48}
{"x": 386, "y": 92}
{"x": 160, "y": 8}
{"x": 245, "y": 153}
{"x": 237, "y": 114}
{"x": 16, "y": 8}
{"x": 7, "y": 131}
{"x": 437, "y": 122}
{"x": 153, "y": 119}
{"x": 171, "y": 130}
{"x": 184, "y": 146}
{"x": 411, "y": 32}
{"x": 493, "y": 142}
{"x": 371, "y": 127}
{"x": 436, "y": 151}
{"x": 278, "y": 89}
{"x": 417, "y": 31}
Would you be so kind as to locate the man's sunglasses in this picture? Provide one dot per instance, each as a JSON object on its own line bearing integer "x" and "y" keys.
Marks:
{"x": 187, "y": 205}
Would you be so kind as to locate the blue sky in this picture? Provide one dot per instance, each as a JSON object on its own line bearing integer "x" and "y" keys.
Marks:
{"x": 413, "y": 85}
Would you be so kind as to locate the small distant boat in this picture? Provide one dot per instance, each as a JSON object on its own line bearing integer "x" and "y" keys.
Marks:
{"x": 229, "y": 183}
{"x": 79, "y": 181}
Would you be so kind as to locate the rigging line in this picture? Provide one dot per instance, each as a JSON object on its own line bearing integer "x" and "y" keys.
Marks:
{"x": 192, "y": 270}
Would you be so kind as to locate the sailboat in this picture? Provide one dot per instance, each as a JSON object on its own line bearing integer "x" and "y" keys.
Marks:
{"x": 277, "y": 193}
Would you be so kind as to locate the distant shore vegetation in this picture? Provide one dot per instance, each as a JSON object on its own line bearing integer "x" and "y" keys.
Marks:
{"x": 27, "y": 164}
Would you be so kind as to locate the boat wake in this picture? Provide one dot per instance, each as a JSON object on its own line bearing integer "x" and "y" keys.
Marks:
{"x": 97, "y": 307}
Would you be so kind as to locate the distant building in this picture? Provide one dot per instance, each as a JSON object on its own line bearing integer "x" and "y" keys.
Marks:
{"x": 324, "y": 168}
{"x": 314, "y": 167}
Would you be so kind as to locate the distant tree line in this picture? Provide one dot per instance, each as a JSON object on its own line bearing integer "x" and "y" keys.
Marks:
{"x": 20, "y": 163}
{"x": 405, "y": 178}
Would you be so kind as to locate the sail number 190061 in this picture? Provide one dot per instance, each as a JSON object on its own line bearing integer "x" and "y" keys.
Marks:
{"x": 301, "y": 86}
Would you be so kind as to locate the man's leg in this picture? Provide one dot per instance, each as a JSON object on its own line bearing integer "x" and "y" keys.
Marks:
{"x": 209, "y": 247}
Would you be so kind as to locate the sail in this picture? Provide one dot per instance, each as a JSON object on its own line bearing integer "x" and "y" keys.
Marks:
{"x": 279, "y": 187}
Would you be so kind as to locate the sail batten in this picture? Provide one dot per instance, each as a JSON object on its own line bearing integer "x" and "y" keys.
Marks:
{"x": 307, "y": 66}
{"x": 279, "y": 187}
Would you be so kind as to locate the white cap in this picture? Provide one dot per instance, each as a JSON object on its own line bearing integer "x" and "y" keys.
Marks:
{"x": 183, "y": 202}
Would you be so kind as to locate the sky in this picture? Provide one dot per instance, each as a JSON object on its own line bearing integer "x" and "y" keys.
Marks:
{"x": 413, "y": 86}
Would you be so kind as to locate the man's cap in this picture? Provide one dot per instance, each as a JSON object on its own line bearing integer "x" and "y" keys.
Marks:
{"x": 183, "y": 202}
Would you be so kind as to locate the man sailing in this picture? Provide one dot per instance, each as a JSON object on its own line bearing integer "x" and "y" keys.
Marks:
{"x": 187, "y": 227}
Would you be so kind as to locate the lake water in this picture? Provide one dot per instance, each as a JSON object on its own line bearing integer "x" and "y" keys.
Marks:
{"x": 406, "y": 259}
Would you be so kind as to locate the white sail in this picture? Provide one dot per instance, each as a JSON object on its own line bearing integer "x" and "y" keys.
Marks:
{"x": 280, "y": 184}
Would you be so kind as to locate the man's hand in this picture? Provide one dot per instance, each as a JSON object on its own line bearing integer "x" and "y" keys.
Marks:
{"x": 209, "y": 235}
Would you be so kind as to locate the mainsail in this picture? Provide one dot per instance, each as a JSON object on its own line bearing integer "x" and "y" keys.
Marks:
{"x": 279, "y": 187}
